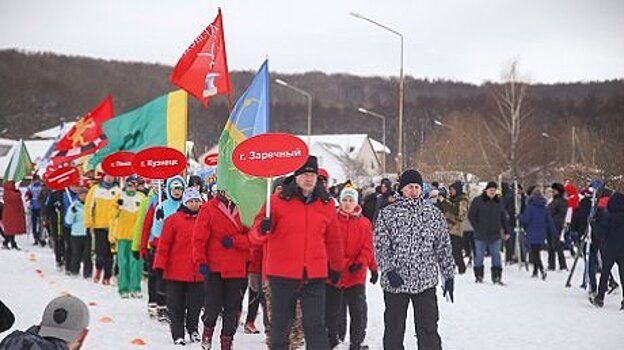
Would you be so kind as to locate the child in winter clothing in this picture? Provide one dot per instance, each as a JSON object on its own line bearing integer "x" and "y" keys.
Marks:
{"x": 357, "y": 237}
{"x": 538, "y": 223}
{"x": 80, "y": 240}
{"x": 184, "y": 282}
{"x": 125, "y": 210}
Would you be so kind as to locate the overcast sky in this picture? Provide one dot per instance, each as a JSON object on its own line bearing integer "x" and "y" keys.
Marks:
{"x": 468, "y": 40}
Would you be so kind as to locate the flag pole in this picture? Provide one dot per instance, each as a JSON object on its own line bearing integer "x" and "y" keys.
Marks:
{"x": 268, "y": 199}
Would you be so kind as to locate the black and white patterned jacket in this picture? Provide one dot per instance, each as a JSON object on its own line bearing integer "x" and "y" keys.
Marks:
{"x": 411, "y": 237}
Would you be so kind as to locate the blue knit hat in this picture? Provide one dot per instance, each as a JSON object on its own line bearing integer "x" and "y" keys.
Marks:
{"x": 190, "y": 193}
{"x": 349, "y": 191}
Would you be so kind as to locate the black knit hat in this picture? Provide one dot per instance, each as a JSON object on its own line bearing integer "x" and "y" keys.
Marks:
{"x": 559, "y": 187}
{"x": 491, "y": 184}
{"x": 310, "y": 166}
{"x": 410, "y": 176}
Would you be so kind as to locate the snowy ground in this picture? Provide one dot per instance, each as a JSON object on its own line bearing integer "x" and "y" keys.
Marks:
{"x": 526, "y": 314}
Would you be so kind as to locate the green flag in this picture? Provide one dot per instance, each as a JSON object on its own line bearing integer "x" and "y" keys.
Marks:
{"x": 249, "y": 117}
{"x": 160, "y": 122}
{"x": 19, "y": 165}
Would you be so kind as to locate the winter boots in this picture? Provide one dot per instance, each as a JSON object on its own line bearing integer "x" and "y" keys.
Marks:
{"x": 152, "y": 310}
{"x": 497, "y": 275}
{"x": 97, "y": 276}
{"x": 226, "y": 342}
{"x": 206, "y": 341}
{"x": 163, "y": 315}
{"x": 596, "y": 301}
{"x": 478, "y": 272}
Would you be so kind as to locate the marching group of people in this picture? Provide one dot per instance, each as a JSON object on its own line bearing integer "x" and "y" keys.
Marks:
{"x": 307, "y": 263}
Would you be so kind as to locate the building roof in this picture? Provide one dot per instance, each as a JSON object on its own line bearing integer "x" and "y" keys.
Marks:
{"x": 347, "y": 142}
{"x": 54, "y": 132}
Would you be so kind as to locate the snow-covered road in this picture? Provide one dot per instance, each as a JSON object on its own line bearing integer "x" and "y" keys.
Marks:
{"x": 526, "y": 314}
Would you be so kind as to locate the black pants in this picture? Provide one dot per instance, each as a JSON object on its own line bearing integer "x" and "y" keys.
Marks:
{"x": 607, "y": 265}
{"x": 333, "y": 306}
{"x": 536, "y": 258}
{"x": 35, "y": 226}
{"x": 354, "y": 301}
{"x": 9, "y": 240}
{"x": 555, "y": 249}
{"x": 284, "y": 295}
{"x": 59, "y": 240}
{"x": 152, "y": 292}
{"x": 103, "y": 254}
{"x": 253, "y": 305}
{"x": 469, "y": 244}
{"x": 81, "y": 249}
{"x": 426, "y": 317}
{"x": 222, "y": 295}
{"x": 161, "y": 289}
{"x": 184, "y": 302}
{"x": 68, "y": 256}
{"x": 457, "y": 243}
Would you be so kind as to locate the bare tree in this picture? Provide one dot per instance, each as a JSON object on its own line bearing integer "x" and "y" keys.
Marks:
{"x": 512, "y": 110}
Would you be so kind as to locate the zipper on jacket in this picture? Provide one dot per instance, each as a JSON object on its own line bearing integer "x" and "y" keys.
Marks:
{"x": 305, "y": 245}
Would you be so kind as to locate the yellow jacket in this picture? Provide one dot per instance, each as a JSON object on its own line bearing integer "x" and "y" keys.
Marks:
{"x": 125, "y": 215}
{"x": 97, "y": 206}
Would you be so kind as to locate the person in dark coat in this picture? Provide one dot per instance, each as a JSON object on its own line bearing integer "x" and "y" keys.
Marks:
{"x": 558, "y": 208}
{"x": 384, "y": 198}
{"x": 13, "y": 216}
{"x": 489, "y": 220}
{"x": 6, "y": 317}
{"x": 538, "y": 225}
{"x": 614, "y": 246}
{"x": 53, "y": 215}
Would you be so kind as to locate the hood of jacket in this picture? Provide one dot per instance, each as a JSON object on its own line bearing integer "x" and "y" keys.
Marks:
{"x": 537, "y": 201}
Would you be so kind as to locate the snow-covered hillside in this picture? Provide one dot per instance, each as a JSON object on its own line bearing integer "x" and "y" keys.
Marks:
{"x": 526, "y": 314}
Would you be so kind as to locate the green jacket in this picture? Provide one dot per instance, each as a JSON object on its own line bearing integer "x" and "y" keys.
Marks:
{"x": 455, "y": 211}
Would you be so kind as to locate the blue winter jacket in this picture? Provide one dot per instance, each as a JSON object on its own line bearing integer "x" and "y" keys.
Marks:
{"x": 75, "y": 219}
{"x": 169, "y": 206}
{"x": 67, "y": 203}
{"x": 537, "y": 221}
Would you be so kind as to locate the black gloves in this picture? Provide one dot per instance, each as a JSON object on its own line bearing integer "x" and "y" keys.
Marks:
{"x": 334, "y": 276}
{"x": 394, "y": 278}
{"x": 204, "y": 270}
{"x": 355, "y": 267}
{"x": 160, "y": 214}
{"x": 265, "y": 226}
{"x": 120, "y": 202}
{"x": 449, "y": 286}
{"x": 374, "y": 277}
{"x": 227, "y": 242}
{"x": 136, "y": 255}
{"x": 74, "y": 210}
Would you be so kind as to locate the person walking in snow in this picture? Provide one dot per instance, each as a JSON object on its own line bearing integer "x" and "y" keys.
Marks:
{"x": 538, "y": 225}
{"x": 221, "y": 251}
{"x": 455, "y": 211}
{"x": 155, "y": 216}
{"x": 350, "y": 293}
{"x": 184, "y": 282}
{"x": 303, "y": 249}
{"x": 412, "y": 247}
{"x": 80, "y": 239}
{"x": 489, "y": 220}
{"x": 613, "y": 248}
{"x": 558, "y": 208}
{"x": 125, "y": 212}
{"x": 98, "y": 215}
{"x": 34, "y": 195}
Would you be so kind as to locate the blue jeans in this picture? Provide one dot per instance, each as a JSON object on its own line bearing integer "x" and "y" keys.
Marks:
{"x": 494, "y": 249}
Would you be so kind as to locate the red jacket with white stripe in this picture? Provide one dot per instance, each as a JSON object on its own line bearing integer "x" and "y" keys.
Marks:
{"x": 357, "y": 235}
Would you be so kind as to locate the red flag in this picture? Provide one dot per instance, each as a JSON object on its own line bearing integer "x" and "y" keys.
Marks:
{"x": 86, "y": 136}
{"x": 202, "y": 70}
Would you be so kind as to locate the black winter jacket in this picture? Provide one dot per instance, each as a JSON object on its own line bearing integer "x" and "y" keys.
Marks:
{"x": 614, "y": 227}
{"x": 488, "y": 218}
{"x": 558, "y": 209}
{"x": 30, "y": 340}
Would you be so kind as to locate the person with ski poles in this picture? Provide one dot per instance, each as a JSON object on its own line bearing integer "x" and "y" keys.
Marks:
{"x": 489, "y": 220}
{"x": 613, "y": 248}
{"x": 412, "y": 247}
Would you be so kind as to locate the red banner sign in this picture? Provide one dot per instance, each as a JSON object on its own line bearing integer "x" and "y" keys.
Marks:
{"x": 118, "y": 164}
{"x": 270, "y": 154}
{"x": 159, "y": 163}
{"x": 62, "y": 178}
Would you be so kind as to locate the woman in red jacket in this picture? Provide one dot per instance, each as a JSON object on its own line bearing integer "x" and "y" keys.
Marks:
{"x": 13, "y": 217}
{"x": 350, "y": 292}
{"x": 221, "y": 250}
{"x": 184, "y": 282}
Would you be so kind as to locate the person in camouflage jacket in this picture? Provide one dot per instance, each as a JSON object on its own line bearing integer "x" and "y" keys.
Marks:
{"x": 455, "y": 211}
{"x": 412, "y": 247}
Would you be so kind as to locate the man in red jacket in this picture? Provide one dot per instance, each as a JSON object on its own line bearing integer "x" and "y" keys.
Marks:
{"x": 303, "y": 248}
{"x": 221, "y": 251}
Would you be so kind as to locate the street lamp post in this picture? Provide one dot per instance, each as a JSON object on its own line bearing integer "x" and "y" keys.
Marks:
{"x": 309, "y": 97}
{"x": 383, "y": 127}
{"x": 401, "y": 83}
